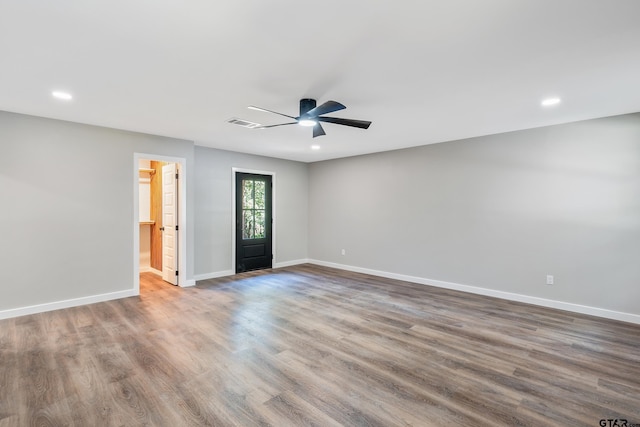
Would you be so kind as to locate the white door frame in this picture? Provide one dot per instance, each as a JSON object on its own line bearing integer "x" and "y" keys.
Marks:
{"x": 233, "y": 212}
{"x": 182, "y": 217}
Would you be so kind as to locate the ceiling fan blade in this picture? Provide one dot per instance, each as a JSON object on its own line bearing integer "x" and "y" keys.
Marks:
{"x": 362, "y": 124}
{"x": 318, "y": 130}
{"x": 327, "y": 107}
{"x": 273, "y": 126}
{"x": 253, "y": 107}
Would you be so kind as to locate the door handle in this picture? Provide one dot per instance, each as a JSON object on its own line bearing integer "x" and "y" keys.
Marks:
{"x": 161, "y": 228}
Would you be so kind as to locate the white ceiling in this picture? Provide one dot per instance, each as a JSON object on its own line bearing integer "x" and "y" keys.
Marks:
{"x": 423, "y": 71}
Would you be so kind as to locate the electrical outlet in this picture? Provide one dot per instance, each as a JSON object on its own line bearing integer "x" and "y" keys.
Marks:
{"x": 344, "y": 252}
{"x": 549, "y": 279}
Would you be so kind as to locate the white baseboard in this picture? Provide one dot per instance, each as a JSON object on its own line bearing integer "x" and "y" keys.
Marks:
{"x": 560, "y": 305}
{"x": 213, "y": 275}
{"x": 576, "y": 308}
{"x": 291, "y": 263}
{"x": 150, "y": 270}
{"x": 188, "y": 283}
{"x": 217, "y": 274}
{"x": 41, "y": 308}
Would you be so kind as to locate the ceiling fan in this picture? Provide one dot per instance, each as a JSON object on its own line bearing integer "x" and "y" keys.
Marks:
{"x": 310, "y": 115}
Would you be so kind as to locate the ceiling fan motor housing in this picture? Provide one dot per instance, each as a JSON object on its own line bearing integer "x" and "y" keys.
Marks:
{"x": 306, "y": 105}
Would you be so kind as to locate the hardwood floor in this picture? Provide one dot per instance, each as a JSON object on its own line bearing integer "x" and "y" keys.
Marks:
{"x": 309, "y": 345}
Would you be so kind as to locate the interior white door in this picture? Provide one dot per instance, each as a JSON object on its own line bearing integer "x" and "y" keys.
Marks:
{"x": 170, "y": 223}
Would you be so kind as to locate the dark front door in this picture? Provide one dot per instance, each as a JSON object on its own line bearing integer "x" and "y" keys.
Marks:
{"x": 253, "y": 222}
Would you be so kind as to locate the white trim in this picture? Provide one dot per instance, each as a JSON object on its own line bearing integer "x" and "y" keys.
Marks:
{"x": 233, "y": 212}
{"x": 151, "y": 270}
{"x": 188, "y": 283}
{"x": 155, "y": 271}
{"x": 182, "y": 217}
{"x": 291, "y": 263}
{"x": 213, "y": 275}
{"x": 226, "y": 273}
{"x": 560, "y": 305}
{"x": 41, "y": 308}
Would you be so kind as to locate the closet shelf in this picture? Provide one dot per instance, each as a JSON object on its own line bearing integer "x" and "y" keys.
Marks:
{"x": 147, "y": 222}
{"x": 145, "y": 170}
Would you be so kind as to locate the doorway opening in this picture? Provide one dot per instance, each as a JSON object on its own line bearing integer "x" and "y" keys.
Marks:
{"x": 253, "y": 220}
{"x": 159, "y": 213}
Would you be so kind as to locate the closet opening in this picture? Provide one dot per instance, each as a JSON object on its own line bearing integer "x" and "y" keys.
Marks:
{"x": 160, "y": 222}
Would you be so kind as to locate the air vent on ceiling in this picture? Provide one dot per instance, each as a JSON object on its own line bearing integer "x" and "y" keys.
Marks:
{"x": 243, "y": 123}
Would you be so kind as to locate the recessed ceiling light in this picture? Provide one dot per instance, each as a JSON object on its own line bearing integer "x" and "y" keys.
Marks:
{"x": 315, "y": 147}
{"x": 550, "y": 101}
{"x": 61, "y": 95}
{"x": 307, "y": 122}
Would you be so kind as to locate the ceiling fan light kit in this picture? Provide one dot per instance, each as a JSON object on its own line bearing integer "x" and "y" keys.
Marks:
{"x": 311, "y": 116}
{"x": 307, "y": 122}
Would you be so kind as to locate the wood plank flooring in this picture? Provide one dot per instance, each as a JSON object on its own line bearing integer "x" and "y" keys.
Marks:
{"x": 313, "y": 346}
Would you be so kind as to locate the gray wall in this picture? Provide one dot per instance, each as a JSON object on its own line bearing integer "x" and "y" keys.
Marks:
{"x": 497, "y": 212}
{"x": 213, "y": 189}
{"x": 67, "y": 208}
{"x": 67, "y": 211}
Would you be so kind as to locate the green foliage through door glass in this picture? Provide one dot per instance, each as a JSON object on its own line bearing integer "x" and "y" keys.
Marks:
{"x": 253, "y": 209}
